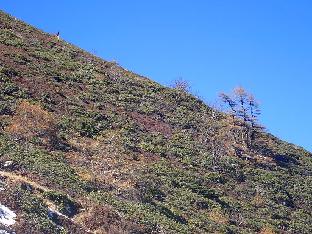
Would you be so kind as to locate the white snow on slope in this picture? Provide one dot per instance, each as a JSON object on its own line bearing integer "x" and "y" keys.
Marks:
{"x": 4, "y": 232}
{"x": 7, "y": 216}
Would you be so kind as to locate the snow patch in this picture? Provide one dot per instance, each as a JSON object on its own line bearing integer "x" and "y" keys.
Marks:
{"x": 54, "y": 213}
{"x": 4, "y": 232}
{"x": 7, "y": 216}
{"x": 8, "y": 163}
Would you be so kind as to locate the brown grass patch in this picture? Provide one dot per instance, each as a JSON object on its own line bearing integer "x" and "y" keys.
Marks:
{"x": 218, "y": 217}
{"x": 30, "y": 120}
{"x": 103, "y": 219}
{"x": 267, "y": 230}
{"x": 258, "y": 201}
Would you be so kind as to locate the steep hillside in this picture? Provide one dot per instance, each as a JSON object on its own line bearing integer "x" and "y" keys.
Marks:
{"x": 88, "y": 147}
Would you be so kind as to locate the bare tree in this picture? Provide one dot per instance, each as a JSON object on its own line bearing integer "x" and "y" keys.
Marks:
{"x": 245, "y": 112}
{"x": 181, "y": 85}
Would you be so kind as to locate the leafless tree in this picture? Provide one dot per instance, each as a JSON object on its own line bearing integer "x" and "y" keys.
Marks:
{"x": 181, "y": 85}
{"x": 245, "y": 112}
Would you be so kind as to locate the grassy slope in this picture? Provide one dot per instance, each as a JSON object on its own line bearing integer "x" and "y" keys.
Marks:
{"x": 127, "y": 154}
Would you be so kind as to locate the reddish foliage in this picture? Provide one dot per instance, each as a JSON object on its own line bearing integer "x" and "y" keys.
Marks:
{"x": 151, "y": 124}
{"x": 104, "y": 219}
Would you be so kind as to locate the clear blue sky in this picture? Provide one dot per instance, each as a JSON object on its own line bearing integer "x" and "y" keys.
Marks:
{"x": 265, "y": 46}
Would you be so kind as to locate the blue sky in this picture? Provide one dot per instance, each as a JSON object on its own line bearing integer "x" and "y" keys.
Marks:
{"x": 265, "y": 46}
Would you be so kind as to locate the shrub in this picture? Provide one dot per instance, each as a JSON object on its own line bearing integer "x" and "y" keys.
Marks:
{"x": 65, "y": 204}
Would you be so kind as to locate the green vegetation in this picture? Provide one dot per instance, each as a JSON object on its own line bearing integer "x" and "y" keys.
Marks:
{"x": 35, "y": 212}
{"x": 53, "y": 169}
{"x": 100, "y": 138}
{"x": 64, "y": 204}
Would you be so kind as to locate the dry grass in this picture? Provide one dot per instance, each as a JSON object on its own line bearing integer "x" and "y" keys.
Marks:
{"x": 30, "y": 120}
{"x": 258, "y": 201}
{"x": 218, "y": 217}
{"x": 267, "y": 230}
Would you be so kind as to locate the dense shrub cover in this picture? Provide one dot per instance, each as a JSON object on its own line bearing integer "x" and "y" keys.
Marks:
{"x": 86, "y": 146}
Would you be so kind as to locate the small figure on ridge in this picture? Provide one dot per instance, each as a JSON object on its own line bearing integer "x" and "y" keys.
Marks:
{"x": 58, "y": 35}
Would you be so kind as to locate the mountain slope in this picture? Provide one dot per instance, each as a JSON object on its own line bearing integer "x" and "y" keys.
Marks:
{"x": 86, "y": 146}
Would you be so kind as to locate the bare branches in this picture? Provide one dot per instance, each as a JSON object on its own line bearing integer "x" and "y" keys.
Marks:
{"x": 242, "y": 105}
{"x": 245, "y": 113}
{"x": 181, "y": 85}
